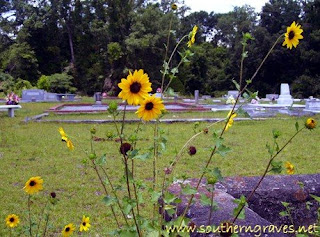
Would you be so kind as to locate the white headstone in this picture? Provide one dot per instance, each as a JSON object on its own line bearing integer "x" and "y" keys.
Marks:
{"x": 285, "y": 97}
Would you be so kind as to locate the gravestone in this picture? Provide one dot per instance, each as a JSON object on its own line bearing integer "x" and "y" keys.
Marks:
{"x": 272, "y": 97}
{"x": 313, "y": 105}
{"x": 33, "y": 95}
{"x": 196, "y": 96}
{"x": 285, "y": 97}
{"x": 97, "y": 98}
{"x": 233, "y": 93}
{"x": 50, "y": 96}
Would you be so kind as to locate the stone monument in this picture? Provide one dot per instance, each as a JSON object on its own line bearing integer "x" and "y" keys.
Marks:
{"x": 285, "y": 97}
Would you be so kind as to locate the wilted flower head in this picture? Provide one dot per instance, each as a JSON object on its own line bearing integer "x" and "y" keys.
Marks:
{"x": 53, "y": 194}
{"x": 231, "y": 100}
{"x": 124, "y": 148}
{"x": 192, "y": 150}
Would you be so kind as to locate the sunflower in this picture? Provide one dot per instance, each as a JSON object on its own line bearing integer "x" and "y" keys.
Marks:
{"x": 33, "y": 185}
{"x": 135, "y": 87}
{"x": 65, "y": 139}
{"x": 192, "y": 36}
{"x": 293, "y": 35}
{"x": 68, "y": 230}
{"x": 63, "y": 135}
{"x": 150, "y": 108}
{"x": 70, "y": 144}
{"x": 85, "y": 224}
{"x": 12, "y": 220}
{"x": 289, "y": 167}
{"x": 230, "y": 121}
{"x": 311, "y": 123}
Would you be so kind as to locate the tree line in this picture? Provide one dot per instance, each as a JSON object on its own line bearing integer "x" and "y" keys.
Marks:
{"x": 89, "y": 45}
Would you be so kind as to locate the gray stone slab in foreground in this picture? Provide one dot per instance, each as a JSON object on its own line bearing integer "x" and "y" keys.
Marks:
{"x": 262, "y": 214}
{"x": 274, "y": 189}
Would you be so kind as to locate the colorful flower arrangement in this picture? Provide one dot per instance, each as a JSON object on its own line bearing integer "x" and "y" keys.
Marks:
{"x": 12, "y": 99}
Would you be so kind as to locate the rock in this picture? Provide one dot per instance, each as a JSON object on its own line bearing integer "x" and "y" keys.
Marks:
{"x": 199, "y": 214}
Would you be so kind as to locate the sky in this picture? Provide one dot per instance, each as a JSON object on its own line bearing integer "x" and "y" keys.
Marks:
{"x": 222, "y": 6}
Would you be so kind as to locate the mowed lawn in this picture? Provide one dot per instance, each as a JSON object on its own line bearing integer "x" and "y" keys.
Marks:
{"x": 35, "y": 149}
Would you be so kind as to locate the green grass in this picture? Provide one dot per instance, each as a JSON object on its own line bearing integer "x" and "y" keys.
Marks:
{"x": 32, "y": 149}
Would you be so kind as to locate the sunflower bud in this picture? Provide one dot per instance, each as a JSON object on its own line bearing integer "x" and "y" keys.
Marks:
{"x": 113, "y": 106}
{"x": 92, "y": 156}
{"x": 93, "y": 131}
{"x": 311, "y": 123}
{"x": 174, "y": 7}
{"x": 124, "y": 148}
{"x": 192, "y": 150}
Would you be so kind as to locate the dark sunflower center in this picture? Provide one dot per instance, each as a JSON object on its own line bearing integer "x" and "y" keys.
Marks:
{"x": 291, "y": 35}
{"x": 84, "y": 224}
{"x": 149, "y": 106}
{"x": 11, "y": 219}
{"x": 312, "y": 121}
{"x": 67, "y": 229}
{"x": 32, "y": 183}
{"x": 135, "y": 87}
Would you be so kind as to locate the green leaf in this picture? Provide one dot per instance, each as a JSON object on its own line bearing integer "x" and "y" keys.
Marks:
{"x": 236, "y": 84}
{"x": 248, "y": 82}
{"x": 241, "y": 202}
{"x": 283, "y": 213}
{"x": 276, "y": 167}
{"x": 169, "y": 198}
{"x": 315, "y": 197}
{"x": 174, "y": 70}
{"x": 285, "y": 204}
{"x": 205, "y": 201}
{"x": 188, "y": 190}
{"x": 155, "y": 195}
{"x": 270, "y": 150}
{"x": 223, "y": 150}
{"x": 143, "y": 157}
{"x": 297, "y": 126}
{"x": 276, "y": 133}
{"x": 169, "y": 207}
{"x": 102, "y": 160}
{"x": 132, "y": 154}
{"x": 108, "y": 200}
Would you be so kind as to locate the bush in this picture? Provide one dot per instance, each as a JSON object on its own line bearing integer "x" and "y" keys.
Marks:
{"x": 6, "y": 82}
{"x": 44, "y": 83}
{"x": 61, "y": 83}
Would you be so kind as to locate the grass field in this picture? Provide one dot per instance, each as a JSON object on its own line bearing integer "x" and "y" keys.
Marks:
{"x": 35, "y": 149}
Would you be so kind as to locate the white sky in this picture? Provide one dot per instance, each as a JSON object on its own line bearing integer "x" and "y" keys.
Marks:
{"x": 222, "y": 6}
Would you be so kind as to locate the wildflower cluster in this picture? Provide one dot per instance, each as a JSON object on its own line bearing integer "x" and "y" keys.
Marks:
{"x": 32, "y": 187}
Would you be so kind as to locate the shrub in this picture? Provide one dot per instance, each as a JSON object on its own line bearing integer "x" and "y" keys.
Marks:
{"x": 43, "y": 83}
{"x": 61, "y": 83}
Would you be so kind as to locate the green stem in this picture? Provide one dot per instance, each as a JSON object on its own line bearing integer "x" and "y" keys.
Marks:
{"x": 166, "y": 53}
{"x": 155, "y": 156}
{"x": 106, "y": 191}
{"x": 29, "y": 210}
{"x": 40, "y": 219}
{"x": 264, "y": 174}
{"x": 46, "y": 225}
{"x": 115, "y": 194}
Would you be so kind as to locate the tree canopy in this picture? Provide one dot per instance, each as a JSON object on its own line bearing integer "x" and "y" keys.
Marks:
{"x": 95, "y": 42}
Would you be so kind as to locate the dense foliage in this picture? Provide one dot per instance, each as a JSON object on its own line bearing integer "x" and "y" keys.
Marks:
{"x": 95, "y": 42}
